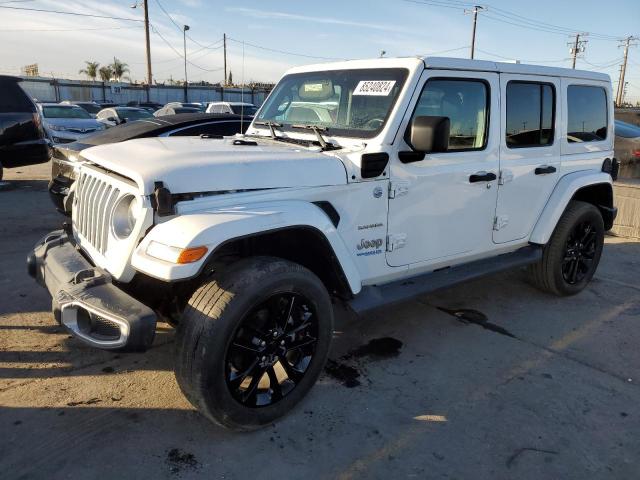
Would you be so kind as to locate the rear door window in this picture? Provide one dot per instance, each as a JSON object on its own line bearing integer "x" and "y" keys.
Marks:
{"x": 587, "y": 114}
{"x": 530, "y": 114}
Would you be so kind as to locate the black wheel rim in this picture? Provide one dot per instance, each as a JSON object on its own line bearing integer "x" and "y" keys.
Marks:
{"x": 580, "y": 252}
{"x": 271, "y": 350}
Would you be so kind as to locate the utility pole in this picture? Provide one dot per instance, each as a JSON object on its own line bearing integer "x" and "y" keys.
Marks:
{"x": 623, "y": 70}
{"x": 145, "y": 7}
{"x": 224, "y": 43}
{"x": 576, "y": 47}
{"x": 186, "y": 81}
{"x": 476, "y": 9}
{"x": 148, "y": 43}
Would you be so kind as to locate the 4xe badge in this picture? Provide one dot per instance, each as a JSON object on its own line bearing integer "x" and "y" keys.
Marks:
{"x": 370, "y": 247}
{"x": 377, "y": 192}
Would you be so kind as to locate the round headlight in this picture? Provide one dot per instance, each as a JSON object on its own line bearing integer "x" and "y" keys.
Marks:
{"x": 124, "y": 216}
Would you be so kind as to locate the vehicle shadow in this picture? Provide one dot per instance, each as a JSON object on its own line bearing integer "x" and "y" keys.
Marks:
{"x": 59, "y": 355}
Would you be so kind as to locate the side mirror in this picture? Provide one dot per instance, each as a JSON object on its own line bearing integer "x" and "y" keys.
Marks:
{"x": 429, "y": 134}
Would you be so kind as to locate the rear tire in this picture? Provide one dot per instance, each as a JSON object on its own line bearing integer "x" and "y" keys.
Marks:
{"x": 571, "y": 257}
{"x": 253, "y": 341}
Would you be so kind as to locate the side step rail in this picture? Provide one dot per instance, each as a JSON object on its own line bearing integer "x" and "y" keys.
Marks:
{"x": 374, "y": 296}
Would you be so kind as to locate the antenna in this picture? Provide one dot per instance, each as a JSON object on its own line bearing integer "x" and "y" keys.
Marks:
{"x": 242, "y": 94}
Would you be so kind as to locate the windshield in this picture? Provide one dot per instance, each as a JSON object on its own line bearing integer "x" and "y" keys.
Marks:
{"x": 64, "y": 112}
{"x": 244, "y": 109}
{"x": 351, "y": 103}
{"x": 134, "y": 114}
{"x": 200, "y": 107}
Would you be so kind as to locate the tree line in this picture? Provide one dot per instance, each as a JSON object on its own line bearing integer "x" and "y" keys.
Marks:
{"x": 115, "y": 71}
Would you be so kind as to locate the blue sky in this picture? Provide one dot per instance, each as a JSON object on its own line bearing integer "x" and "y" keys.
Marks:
{"x": 328, "y": 29}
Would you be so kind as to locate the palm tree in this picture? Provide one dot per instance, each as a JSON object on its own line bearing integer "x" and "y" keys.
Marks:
{"x": 119, "y": 69}
{"x": 105, "y": 73}
{"x": 91, "y": 71}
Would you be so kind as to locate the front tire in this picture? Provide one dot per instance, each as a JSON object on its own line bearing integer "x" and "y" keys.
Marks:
{"x": 253, "y": 341}
{"x": 571, "y": 257}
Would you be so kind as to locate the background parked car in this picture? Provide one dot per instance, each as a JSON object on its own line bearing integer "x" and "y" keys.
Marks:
{"x": 175, "y": 110}
{"x": 22, "y": 139}
{"x": 196, "y": 105}
{"x": 239, "y": 108}
{"x": 627, "y": 149}
{"x": 149, "y": 106}
{"x": 65, "y": 157}
{"x": 92, "y": 108}
{"x": 67, "y": 123}
{"x": 110, "y": 117}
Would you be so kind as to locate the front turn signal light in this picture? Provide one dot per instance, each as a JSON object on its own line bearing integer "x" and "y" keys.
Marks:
{"x": 175, "y": 254}
{"x": 190, "y": 255}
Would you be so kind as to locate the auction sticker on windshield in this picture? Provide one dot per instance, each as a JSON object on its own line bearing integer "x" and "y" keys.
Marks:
{"x": 380, "y": 88}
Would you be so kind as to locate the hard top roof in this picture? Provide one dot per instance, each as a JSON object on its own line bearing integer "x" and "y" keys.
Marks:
{"x": 450, "y": 63}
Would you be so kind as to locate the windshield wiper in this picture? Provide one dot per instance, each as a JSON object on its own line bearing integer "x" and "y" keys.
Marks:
{"x": 272, "y": 126}
{"x": 316, "y": 129}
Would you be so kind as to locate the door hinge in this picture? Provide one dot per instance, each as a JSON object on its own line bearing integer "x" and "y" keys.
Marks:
{"x": 396, "y": 241}
{"x": 398, "y": 189}
{"x": 505, "y": 176}
{"x": 500, "y": 222}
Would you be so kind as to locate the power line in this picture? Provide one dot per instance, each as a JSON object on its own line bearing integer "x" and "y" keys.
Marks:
{"x": 283, "y": 51}
{"x": 521, "y": 59}
{"x": 511, "y": 18}
{"x": 155, "y": 30}
{"x": 443, "y": 51}
{"x": 178, "y": 26}
{"x": 72, "y": 13}
{"x": 66, "y": 29}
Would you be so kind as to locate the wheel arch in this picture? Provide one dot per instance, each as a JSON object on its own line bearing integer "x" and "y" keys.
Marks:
{"x": 301, "y": 244}
{"x": 591, "y": 187}
{"x": 295, "y": 230}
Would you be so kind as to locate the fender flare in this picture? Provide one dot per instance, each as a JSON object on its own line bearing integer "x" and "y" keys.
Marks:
{"x": 562, "y": 194}
{"x": 216, "y": 227}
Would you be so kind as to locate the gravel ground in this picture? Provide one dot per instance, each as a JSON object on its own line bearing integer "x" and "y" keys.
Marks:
{"x": 491, "y": 379}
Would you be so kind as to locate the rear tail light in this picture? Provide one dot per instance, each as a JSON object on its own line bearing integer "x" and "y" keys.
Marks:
{"x": 636, "y": 153}
{"x": 37, "y": 122}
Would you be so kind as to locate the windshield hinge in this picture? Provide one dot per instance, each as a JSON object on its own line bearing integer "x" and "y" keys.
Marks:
{"x": 161, "y": 200}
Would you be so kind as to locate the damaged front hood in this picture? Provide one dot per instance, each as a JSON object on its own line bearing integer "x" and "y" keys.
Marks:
{"x": 194, "y": 164}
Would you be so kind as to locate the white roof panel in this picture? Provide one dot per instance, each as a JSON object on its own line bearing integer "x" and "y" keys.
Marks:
{"x": 449, "y": 63}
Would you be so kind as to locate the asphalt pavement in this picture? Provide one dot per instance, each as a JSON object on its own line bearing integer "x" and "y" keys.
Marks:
{"x": 488, "y": 380}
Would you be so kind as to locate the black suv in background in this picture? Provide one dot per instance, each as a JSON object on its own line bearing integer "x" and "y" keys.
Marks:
{"x": 22, "y": 140}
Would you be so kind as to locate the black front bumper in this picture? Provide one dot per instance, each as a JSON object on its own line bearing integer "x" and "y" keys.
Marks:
{"x": 85, "y": 299}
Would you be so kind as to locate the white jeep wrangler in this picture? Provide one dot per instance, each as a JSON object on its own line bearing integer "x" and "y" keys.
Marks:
{"x": 353, "y": 178}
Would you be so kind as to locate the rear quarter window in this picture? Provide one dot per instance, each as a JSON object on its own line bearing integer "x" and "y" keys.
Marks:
{"x": 13, "y": 98}
{"x": 587, "y": 114}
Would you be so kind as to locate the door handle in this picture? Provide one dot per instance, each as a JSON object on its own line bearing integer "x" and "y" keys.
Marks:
{"x": 545, "y": 169}
{"x": 482, "y": 177}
